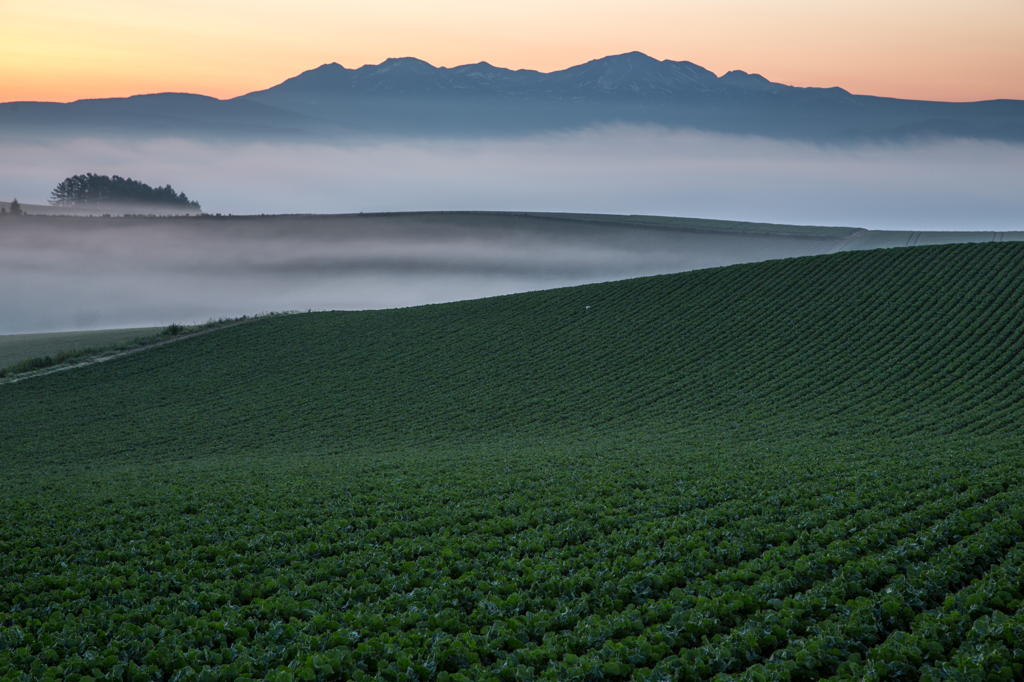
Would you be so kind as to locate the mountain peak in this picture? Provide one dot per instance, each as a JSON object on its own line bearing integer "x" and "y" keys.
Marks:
{"x": 749, "y": 81}
{"x": 633, "y": 56}
{"x": 404, "y": 61}
{"x": 635, "y": 73}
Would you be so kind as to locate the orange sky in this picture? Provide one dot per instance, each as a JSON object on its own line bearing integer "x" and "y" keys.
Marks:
{"x": 60, "y": 50}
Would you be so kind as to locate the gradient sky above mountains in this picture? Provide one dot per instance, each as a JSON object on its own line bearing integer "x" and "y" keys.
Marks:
{"x": 61, "y": 50}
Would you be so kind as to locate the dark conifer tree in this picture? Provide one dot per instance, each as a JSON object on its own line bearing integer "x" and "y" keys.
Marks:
{"x": 92, "y": 189}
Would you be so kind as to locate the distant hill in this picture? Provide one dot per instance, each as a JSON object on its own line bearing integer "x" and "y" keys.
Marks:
{"x": 408, "y": 96}
{"x": 158, "y": 115}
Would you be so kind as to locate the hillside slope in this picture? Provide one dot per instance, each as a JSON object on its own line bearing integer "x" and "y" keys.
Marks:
{"x": 881, "y": 338}
{"x": 787, "y": 470}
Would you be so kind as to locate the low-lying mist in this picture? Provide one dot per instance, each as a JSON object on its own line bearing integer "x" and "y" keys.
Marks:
{"x": 92, "y": 273}
{"x": 938, "y": 185}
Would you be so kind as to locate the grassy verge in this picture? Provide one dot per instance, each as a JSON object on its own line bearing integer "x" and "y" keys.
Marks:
{"x": 78, "y": 356}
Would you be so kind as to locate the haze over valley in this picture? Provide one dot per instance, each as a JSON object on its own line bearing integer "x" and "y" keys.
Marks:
{"x": 952, "y": 184}
{"x": 70, "y": 273}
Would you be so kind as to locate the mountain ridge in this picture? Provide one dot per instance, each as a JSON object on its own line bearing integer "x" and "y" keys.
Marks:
{"x": 631, "y": 88}
{"x": 630, "y": 71}
{"x": 407, "y": 96}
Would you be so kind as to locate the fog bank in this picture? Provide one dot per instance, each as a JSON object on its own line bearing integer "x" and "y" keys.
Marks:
{"x": 94, "y": 273}
{"x": 91, "y": 273}
{"x": 941, "y": 185}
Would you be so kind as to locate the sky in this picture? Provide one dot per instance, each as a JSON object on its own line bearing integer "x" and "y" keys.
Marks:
{"x": 951, "y": 50}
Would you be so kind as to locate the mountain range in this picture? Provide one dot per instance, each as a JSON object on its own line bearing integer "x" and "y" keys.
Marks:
{"x": 408, "y": 96}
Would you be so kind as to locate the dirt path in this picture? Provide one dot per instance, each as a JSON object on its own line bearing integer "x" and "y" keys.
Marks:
{"x": 75, "y": 364}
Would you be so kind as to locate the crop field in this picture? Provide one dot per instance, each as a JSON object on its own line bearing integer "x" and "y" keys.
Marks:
{"x": 15, "y": 348}
{"x": 799, "y": 469}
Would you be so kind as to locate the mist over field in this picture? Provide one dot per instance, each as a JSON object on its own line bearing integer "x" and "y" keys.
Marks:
{"x": 939, "y": 185}
{"x": 63, "y": 274}
{"x": 94, "y": 273}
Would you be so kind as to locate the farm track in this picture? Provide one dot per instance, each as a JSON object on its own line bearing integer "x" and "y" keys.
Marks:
{"x": 112, "y": 355}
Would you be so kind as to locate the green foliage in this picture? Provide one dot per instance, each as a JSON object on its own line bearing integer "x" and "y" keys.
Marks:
{"x": 790, "y": 470}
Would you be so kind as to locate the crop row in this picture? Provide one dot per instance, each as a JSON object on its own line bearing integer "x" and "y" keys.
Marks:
{"x": 644, "y": 580}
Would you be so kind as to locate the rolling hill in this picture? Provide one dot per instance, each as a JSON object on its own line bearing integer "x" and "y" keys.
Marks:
{"x": 158, "y": 115}
{"x": 798, "y": 469}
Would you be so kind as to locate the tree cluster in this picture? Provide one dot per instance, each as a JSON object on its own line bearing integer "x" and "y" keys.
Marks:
{"x": 15, "y": 209}
{"x": 92, "y": 189}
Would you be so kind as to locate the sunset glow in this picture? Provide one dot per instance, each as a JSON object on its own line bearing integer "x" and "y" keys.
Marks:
{"x": 62, "y": 51}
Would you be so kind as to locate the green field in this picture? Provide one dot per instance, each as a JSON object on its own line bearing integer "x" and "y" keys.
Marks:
{"x": 17, "y": 347}
{"x": 799, "y": 469}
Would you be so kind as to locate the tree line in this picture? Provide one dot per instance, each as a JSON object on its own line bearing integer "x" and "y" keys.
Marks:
{"x": 91, "y": 189}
